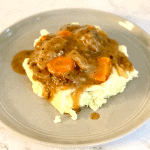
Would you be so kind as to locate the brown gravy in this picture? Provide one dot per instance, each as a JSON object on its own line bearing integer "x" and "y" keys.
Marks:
{"x": 95, "y": 116}
{"x": 18, "y": 60}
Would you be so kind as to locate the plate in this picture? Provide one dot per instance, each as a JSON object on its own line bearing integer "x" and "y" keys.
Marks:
{"x": 25, "y": 113}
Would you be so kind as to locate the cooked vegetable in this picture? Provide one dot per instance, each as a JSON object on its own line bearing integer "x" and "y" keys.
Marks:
{"x": 47, "y": 37}
{"x": 103, "y": 70}
{"x": 65, "y": 32}
{"x": 60, "y": 65}
{"x": 43, "y": 38}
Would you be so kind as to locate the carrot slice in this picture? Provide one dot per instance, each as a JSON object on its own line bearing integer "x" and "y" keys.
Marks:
{"x": 44, "y": 37}
{"x": 60, "y": 65}
{"x": 65, "y": 32}
{"x": 90, "y": 27}
{"x": 104, "y": 69}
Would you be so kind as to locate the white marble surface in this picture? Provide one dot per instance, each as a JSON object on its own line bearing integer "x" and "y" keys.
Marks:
{"x": 136, "y": 11}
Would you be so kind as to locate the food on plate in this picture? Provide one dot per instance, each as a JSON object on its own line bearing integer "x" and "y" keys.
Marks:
{"x": 18, "y": 59}
{"x": 95, "y": 116}
{"x": 57, "y": 119}
{"x": 78, "y": 66}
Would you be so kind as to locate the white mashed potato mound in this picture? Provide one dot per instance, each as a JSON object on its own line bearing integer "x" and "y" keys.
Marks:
{"x": 94, "y": 97}
{"x": 57, "y": 119}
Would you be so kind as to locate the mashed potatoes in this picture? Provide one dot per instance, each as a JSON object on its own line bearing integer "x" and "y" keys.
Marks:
{"x": 94, "y": 96}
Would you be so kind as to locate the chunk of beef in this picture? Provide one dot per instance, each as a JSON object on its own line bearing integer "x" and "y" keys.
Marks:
{"x": 79, "y": 59}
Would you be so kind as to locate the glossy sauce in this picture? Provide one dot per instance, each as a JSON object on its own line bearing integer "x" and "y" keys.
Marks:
{"x": 18, "y": 60}
{"x": 95, "y": 116}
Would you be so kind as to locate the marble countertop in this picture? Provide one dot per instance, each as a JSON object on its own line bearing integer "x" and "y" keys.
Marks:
{"x": 138, "y": 12}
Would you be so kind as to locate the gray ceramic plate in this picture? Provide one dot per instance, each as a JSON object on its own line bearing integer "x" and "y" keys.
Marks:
{"x": 22, "y": 111}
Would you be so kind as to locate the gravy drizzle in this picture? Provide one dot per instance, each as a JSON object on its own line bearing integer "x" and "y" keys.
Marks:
{"x": 18, "y": 60}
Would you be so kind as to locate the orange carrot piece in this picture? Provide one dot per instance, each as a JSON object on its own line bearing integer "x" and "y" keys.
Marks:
{"x": 44, "y": 37}
{"x": 90, "y": 27}
{"x": 65, "y": 32}
{"x": 60, "y": 65}
{"x": 104, "y": 69}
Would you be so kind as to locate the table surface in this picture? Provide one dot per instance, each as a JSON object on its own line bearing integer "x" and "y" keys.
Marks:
{"x": 138, "y": 13}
